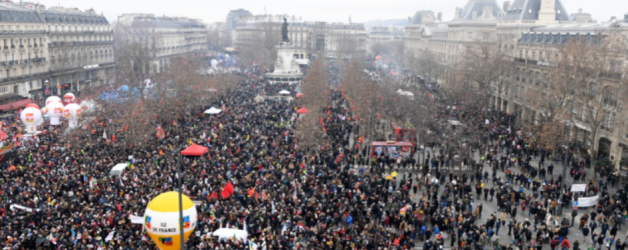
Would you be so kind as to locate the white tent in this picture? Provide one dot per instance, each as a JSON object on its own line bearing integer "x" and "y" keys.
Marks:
{"x": 409, "y": 94}
{"x": 455, "y": 123}
{"x": 117, "y": 169}
{"x": 213, "y": 111}
{"x": 284, "y": 92}
{"x": 406, "y": 93}
{"x": 228, "y": 233}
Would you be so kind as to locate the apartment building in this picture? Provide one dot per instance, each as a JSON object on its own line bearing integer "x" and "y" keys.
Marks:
{"x": 51, "y": 51}
{"x": 308, "y": 38}
{"x": 24, "y": 52}
{"x": 530, "y": 33}
{"x": 168, "y": 37}
{"x": 80, "y": 45}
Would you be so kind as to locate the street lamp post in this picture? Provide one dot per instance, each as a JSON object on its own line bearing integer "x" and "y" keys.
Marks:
{"x": 179, "y": 188}
{"x": 566, "y": 158}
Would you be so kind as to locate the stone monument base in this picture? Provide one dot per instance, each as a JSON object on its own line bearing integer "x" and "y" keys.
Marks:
{"x": 286, "y": 67}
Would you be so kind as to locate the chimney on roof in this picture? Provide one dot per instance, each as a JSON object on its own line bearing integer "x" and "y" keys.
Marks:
{"x": 440, "y": 16}
{"x": 506, "y": 6}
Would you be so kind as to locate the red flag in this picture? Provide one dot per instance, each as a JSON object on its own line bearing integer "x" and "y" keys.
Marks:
{"x": 229, "y": 188}
{"x": 224, "y": 194}
{"x": 215, "y": 195}
{"x": 251, "y": 192}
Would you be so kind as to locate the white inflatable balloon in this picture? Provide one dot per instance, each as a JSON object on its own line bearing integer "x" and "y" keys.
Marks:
{"x": 88, "y": 106}
{"x": 54, "y": 110}
{"x": 69, "y": 98}
{"x": 72, "y": 112}
{"x": 31, "y": 118}
{"x": 52, "y": 99}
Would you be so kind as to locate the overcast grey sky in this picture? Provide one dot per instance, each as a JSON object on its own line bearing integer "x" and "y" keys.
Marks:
{"x": 312, "y": 10}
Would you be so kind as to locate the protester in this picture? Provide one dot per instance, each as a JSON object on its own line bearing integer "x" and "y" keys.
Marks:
{"x": 289, "y": 197}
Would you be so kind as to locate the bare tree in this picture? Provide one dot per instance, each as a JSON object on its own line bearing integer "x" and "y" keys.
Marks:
{"x": 429, "y": 66}
{"x": 316, "y": 98}
{"x": 365, "y": 101}
{"x": 262, "y": 42}
{"x": 486, "y": 65}
{"x": 591, "y": 84}
{"x": 136, "y": 55}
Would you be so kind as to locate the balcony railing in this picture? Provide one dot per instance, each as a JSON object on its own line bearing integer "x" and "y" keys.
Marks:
{"x": 612, "y": 75}
{"x": 75, "y": 43}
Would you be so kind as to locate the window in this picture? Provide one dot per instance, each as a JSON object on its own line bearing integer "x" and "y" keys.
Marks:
{"x": 4, "y": 89}
{"x": 616, "y": 67}
{"x": 609, "y": 98}
{"x": 607, "y": 123}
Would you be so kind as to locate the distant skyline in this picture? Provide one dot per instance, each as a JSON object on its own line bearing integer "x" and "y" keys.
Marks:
{"x": 309, "y": 10}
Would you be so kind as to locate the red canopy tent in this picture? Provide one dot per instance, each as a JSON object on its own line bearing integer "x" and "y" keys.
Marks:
{"x": 303, "y": 111}
{"x": 194, "y": 150}
{"x": 15, "y": 105}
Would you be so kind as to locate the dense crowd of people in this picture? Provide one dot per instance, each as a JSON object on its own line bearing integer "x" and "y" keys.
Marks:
{"x": 292, "y": 198}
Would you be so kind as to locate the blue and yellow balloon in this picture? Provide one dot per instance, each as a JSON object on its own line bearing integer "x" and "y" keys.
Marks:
{"x": 161, "y": 220}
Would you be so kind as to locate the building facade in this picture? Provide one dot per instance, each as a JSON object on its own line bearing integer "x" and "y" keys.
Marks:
{"x": 233, "y": 17}
{"x": 51, "y": 51}
{"x": 23, "y": 63}
{"x": 252, "y": 31}
{"x": 169, "y": 37}
{"x": 80, "y": 48}
{"x": 530, "y": 33}
{"x": 308, "y": 38}
{"x": 382, "y": 35}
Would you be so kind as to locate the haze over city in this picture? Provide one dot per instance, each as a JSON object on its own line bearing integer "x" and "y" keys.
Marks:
{"x": 323, "y": 10}
{"x": 313, "y": 125}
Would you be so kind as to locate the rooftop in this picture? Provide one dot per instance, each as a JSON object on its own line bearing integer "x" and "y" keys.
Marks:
{"x": 529, "y": 10}
{"x": 10, "y": 12}
{"x": 477, "y": 7}
{"x": 73, "y": 15}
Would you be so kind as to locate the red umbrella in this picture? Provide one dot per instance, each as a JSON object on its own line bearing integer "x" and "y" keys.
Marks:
{"x": 299, "y": 94}
{"x": 303, "y": 111}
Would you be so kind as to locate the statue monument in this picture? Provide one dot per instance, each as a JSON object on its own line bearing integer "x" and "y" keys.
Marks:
{"x": 284, "y": 31}
{"x": 286, "y": 67}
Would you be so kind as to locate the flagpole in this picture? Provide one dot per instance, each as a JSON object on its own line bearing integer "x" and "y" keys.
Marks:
{"x": 180, "y": 206}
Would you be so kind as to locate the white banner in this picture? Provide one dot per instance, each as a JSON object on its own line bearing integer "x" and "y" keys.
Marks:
{"x": 588, "y": 201}
{"x": 578, "y": 187}
{"x": 136, "y": 219}
{"x": 30, "y": 210}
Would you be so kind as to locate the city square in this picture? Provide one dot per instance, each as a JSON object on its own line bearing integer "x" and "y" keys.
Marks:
{"x": 496, "y": 125}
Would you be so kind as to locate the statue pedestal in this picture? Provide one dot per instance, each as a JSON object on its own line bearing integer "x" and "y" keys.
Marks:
{"x": 286, "y": 67}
